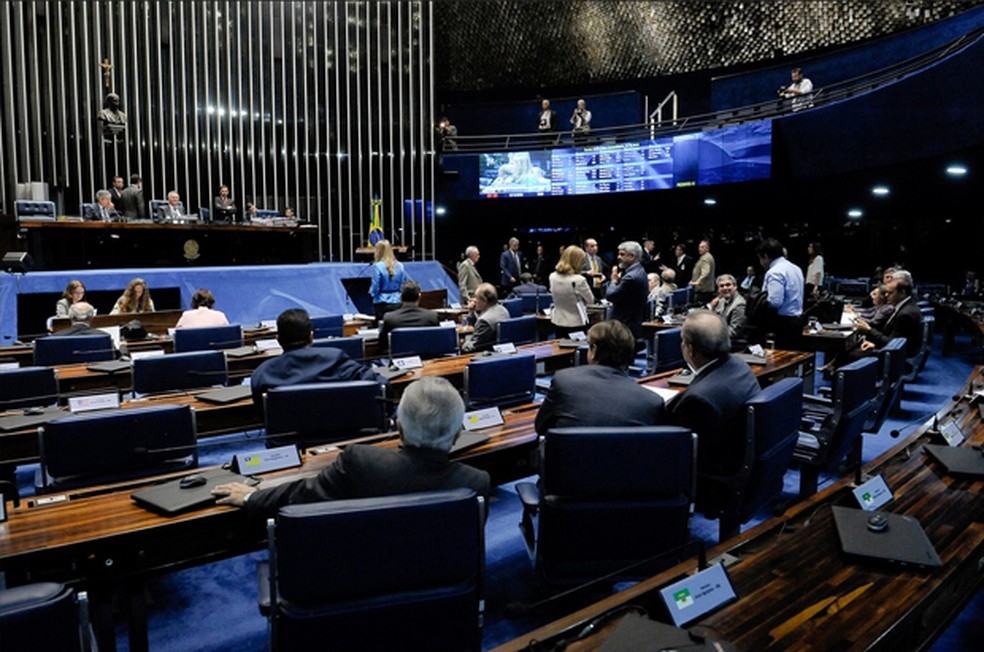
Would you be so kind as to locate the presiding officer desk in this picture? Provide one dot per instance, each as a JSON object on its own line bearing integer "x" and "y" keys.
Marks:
{"x": 798, "y": 591}
{"x": 100, "y": 538}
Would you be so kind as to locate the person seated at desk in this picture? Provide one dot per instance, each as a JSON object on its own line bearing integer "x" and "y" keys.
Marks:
{"x": 408, "y": 315}
{"x": 428, "y": 419}
{"x": 302, "y": 363}
{"x": 600, "y": 393}
{"x": 173, "y": 209}
{"x": 135, "y": 298}
{"x": 104, "y": 210}
{"x": 527, "y": 286}
{"x": 201, "y": 313}
{"x": 80, "y": 315}
{"x": 74, "y": 293}
{"x": 711, "y": 403}
{"x": 223, "y": 207}
{"x": 486, "y": 313}
{"x": 880, "y": 311}
{"x": 731, "y": 306}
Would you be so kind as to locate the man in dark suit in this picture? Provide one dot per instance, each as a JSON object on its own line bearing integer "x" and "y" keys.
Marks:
{"x": 302, "y": 363}
{"x": 132, "y": 199}
{"x": 629, "y": 288}
{"x": 173, "y": 209}
{"x": 682, "y": 263}
{"x": 711, "y": 404}
{"x": 116, "y": 191}
{"x": 527, "y": 286}
{"x": 905, "y": 322}
{"x": 429, "y": 419}
{"x": 511, "y": 266}
{"x": 80, "y": 314}
{"x": 104, "y": 211}
{"x": 595, "y": 269}
{"x": 600, "y": 393}
{"x": 408, "y": 315}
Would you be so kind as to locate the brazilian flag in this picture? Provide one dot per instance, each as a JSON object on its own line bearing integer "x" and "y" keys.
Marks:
{"x": 376, "y": 225}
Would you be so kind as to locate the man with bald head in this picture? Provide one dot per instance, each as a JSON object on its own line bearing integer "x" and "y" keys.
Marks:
{"x": 80, "y": 314}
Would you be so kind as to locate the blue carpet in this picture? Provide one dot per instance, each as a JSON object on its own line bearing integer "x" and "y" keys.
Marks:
{"x": 213, "y": 607}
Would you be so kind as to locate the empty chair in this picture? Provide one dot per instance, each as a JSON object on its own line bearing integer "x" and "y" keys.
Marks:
{"x": 917, "y": 363}
{"x": 28, "y": 387}
{"x": 100, "y": 447}
{"x": 891, "y": 369}
{"x": 30, "y": 209}
{"x": 514, "y": 306}
{"x": 506, "y": 380}
{"x": 534, "y": 304}
{"x": 318, "y": 413}
{"x": 73, "y": 349}
{"x": 211, "y": 338}
{"x": 425, "y": 341}
{"x": 203, "y": 213}
{"x": 389, "y": 573}
{"x": 518, "y": 330}
{"x": 328, "y": 326}
{"x": 772, "y": 420}
{"x": 88, "y": 210}
{"x": 679, "y": 299}
{"x": 608, "y": 498}
{"x": 831, "y": 428}
{"x": 44, "y": 616}
{"x": 177, "y": 371}
{"x": 664, "y": 351}
{"x": 354, "y": 346}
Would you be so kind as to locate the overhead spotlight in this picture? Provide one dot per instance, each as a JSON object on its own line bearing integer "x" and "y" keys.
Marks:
{"x": 710, "y": 201}
{"x": 956, "y": 170}
{"x": 880, "y": 191}
{"x": 855, "y": 213}
{"x": 440, "y": 210}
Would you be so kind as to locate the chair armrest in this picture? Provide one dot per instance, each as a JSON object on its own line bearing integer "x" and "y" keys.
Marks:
{"x": 825, "y": 392}
{"x": 529, "y": 495}
{"x": 817, "y": 400}
{"x": 263, "y": 587}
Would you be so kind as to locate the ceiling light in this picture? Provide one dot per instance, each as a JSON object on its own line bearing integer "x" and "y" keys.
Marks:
{"x": 855, "y": 213}
{"x": 880, "y": 191}
{"x": 710, "y": 201}
{"x": 956, "y": 170}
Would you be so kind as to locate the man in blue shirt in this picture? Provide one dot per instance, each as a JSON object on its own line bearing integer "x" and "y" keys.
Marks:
{"x": 783, "y": 285}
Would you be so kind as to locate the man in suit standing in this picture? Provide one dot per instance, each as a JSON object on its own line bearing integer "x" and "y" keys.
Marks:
{"x": 600, "y": 393}
{"x": 711, "y": 404}
{"x": 595, "y": 269}
{"x": 629, "y": 288}
{"x": 703, "y": 273}
{"x": 547, "y": 124}
{"x": 510, "y": 266}
{"x": 116, "y": 191}
{"x": 408, "y": 315}
{"x": 682, "y": 264}
{"x": 133, "y": 200}
{"x": 428, "y": 418}
{"x": 468, "y": 277}
{"x": 302, "y": 363}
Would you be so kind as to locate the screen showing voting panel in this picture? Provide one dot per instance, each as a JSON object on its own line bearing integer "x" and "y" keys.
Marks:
{"x": 727, "y": 155}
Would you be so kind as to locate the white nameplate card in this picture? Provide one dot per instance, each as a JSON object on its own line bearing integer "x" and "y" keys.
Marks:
{"x": 264, "y": 461}
{"x": 348, "y": 316}
{"x": 93, "y": 402}
{"x": 699, "y": 594}
{"x": 478, "y": 419}
{"x": 447, "y": 323}
{"x": 152, "y": 353}
{"x": 409, "y": 362}
{"x": 266, "y": 345}
{"x": 269, "y": 323}
{"x": 951, "y": 433}
{"x": 873, "y": 494}
{"x": 578, "y": 336}
{"x": 6, "y": 366}
{"x": 757, "y": 350}
{"x": 367, "y": 333}
{"x": 455, "y": 305}
{"x": 505, "y": 347}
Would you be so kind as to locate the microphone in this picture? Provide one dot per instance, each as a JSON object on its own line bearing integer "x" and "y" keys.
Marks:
{"x": 934, "y": 428}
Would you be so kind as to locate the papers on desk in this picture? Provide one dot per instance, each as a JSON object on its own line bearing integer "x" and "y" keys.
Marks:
{"x": 665, "y": 393}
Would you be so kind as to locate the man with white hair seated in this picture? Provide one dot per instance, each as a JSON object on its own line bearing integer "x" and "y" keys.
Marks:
{"x": 80, "y": 314}
{"x": 428, "y": 418}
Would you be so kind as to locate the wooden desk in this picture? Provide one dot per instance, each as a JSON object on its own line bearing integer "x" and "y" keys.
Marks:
{"x": 953, "y": 316}
{"x": 798, "y": 591}
{"x": 155, "y": 322}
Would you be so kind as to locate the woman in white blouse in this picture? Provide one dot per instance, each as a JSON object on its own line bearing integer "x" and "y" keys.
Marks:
{"x": 814, "y": 271}
{"x": 571, "y": 293}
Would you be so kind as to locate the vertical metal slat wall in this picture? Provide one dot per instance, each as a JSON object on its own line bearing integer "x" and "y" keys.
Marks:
{"x": 320, "y": 106}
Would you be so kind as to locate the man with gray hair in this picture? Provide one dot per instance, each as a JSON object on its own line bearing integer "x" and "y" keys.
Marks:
{"x": 511, "y": 266}
{"x": 731, "y": 306}
{"x": 428, "y": 419}
{"x": 468, "y": 277}
{"x": 104, "y": 210}
{"x": 80, "y": 314}
{"x": 629, "y": 289}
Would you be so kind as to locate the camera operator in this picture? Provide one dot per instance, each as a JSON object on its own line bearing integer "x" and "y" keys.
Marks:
{"x": 447, "y": 133}
{"x": 800, "y": 91}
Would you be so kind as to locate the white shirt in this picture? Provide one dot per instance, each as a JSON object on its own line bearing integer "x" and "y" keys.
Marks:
{"x": 201, "y": 316}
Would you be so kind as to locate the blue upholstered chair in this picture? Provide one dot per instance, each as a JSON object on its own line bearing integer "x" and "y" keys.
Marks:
{"x": 425, "y": 341}
{"x": 354, "y": 346}
{"x": 209, "y": 338}
{"x": 178, "y": 371}
{"x": 319, "y": 413}
{"x": 830, "y": 431}
{"x": 518, "y": 330}
{"x": 328, "y": 326}
{"x": 772, "y": 421}
{"x": 30, "y": 209}
{"x": 514, "y": 306}
{"x": 390, "y": 573}
{"x": 680, "y": 299}
{"x": 109, "y": 446}
{"x": 663, "y": 350}
{"x": 505, "y": 380}
{"x": 917, "y": 363}
{"x": 28, "y": 387}
{"x": 73, "y": 349}
{"x": 608, "y": 498}
{"x": 536, "y": 303}
{"x": 891, "y": 372}
{"x": 44, "y": 616}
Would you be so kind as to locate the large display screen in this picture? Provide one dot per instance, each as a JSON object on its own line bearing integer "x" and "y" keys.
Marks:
{"x": 724, "y": 155}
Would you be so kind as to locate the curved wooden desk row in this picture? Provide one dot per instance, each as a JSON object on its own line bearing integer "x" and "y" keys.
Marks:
{"x": 956, "y": 316}
{"x": 798, "y": 591}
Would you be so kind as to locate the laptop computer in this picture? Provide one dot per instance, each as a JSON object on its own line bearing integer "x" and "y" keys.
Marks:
{"x": 110, "y": 366}
{"x": 242, "y": 351}
{"x": 226, "y": 394}
{"x": 468, "y": 440}
{"x": 902, "y": 542}
{"x": 958, "y": 460}
{"x": 169, "y": 498}
{"x": 29, "y": 418}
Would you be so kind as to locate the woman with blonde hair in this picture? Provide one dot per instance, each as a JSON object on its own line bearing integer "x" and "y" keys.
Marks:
{"x": 74, "y": 292}
{"x": 387, "y": 279}
{"x": 571, "y": 293}
{"x": 135, "y": 298}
